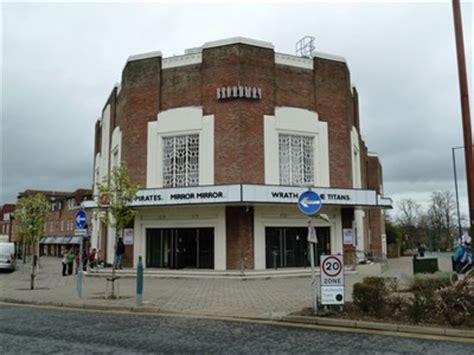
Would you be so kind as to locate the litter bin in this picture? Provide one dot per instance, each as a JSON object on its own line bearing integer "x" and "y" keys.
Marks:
{"x": 425, "y": 265}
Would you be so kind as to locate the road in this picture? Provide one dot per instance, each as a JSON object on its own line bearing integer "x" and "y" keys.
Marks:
{"x": 42, "y": 330}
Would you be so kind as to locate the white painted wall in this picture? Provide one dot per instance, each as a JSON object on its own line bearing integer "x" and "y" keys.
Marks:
{"x": 180, "y": 121}
{"x": 290, "y": 120}
{"x": 101, "y": 168}
{"x": 105, "y": 146}
{"x": 182, "y": 217}
{"x": 359, "y": 228}
{"x": 290, "y": 216}
{"x": 116, "y": 147}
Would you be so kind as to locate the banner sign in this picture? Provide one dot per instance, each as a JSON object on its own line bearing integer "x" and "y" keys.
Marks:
{"x": 287, "y": 194}
{"x": 347, "y": 233}
{"x": 188, "y": 195}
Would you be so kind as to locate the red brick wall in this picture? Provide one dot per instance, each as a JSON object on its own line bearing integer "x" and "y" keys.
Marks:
{"x": 377, "y": 223}
{"x": 239, "y": 243}
{"x": 374, "y": 173}
{"x": 239, "y": 152}
{"x": 332, "y": 83}
{"x": 294, "y": 87}
{"x": 140, "y": 103}
{"x": 347, "y": 218}
{"x": 180, "y": 87}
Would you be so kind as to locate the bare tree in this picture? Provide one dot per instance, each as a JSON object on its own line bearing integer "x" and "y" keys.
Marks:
{"x": 410, "y": 214}
{"x": 442, "y": 218}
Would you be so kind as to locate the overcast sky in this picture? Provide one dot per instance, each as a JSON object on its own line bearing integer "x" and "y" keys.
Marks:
{"x": 60, "y": 62}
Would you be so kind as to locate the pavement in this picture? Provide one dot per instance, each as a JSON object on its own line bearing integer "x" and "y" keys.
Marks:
{"x": 270, "y": 298}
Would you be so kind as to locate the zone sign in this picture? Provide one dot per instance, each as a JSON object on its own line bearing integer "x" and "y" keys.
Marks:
{"x": 332, "y": 270}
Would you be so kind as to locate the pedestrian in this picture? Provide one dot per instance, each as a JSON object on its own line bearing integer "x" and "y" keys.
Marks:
{"x": 92, "y": 259}
{"x": 421, "y": 250}
{"x": 64, "y": 262}
{"x": 119, "y": 254}
{"x": 70, "y": 261}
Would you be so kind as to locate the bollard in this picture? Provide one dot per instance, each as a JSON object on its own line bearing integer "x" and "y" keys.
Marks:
{"x": 139, "y": 281}
{"x": 79, "y": 280}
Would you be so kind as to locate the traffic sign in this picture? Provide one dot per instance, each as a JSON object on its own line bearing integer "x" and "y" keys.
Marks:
{"x": 80, "y": 232}
{"x": 332, "y": 279}
{"x": 81, "y": 219}
{"x": 332, "y": 295}
{"x": 332, "y": 270}
{"x": 309, "y": 202}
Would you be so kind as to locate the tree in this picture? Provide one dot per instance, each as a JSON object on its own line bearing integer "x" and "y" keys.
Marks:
{"x": 393, "y": 232}
{"x": 409, "y": 215}
{"x": 119, "y": 213}
{"x": 442, "y": 218}
{"x": 30, "y": 213}
{"x": 409, "y": 218}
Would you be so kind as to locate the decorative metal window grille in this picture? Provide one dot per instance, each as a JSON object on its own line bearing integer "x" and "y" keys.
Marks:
{"x": 181, "y": 161}
{"x": 296, "y": 160}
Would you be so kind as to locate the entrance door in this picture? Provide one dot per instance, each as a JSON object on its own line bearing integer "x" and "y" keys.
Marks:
{"x": 288, "y": 247}
{"x": 180, "y": 248}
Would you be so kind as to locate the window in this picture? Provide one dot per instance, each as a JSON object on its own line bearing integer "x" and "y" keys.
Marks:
{"x": 181, "y": 161}
{"x": 115, "y": 157}
{"x": 71, "y": 203}
{"x": 296, "y": 160}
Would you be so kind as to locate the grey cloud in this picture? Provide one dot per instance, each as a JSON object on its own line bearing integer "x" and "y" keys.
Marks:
{"x": 60, "y": 62}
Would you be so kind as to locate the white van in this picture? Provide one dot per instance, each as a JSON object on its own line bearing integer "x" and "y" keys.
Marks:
{"x": 7, "y": 256}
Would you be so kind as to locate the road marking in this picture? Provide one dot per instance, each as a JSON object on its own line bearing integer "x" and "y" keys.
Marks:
{"x": 254, "y": 321}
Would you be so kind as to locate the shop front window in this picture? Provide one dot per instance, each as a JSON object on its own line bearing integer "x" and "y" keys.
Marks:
{"x": 181, "y": 161}
{"x": 296, "y": 160}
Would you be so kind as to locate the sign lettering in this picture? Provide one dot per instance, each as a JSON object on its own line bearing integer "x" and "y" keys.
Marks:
{"x": 235, "y": 92}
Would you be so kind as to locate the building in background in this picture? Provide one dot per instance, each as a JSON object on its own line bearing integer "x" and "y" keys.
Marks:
{"x": 222, "y": 141}
{"x": 6, "y": 221}
{"x": 59, "y": 223}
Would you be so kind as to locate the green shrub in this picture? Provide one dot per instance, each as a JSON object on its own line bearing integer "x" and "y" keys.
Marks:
{"x": 424, "y": 302}
{"x": 371, "y": 295}
{"x": 430, "y": 283}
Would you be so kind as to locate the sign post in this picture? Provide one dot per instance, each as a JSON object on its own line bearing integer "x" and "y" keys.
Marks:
{"x": 309, "y": 203}
{"x": 81, "y": 230}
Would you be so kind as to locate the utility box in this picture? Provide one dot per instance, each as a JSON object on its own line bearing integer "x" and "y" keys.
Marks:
{"x": 425, "y": 265}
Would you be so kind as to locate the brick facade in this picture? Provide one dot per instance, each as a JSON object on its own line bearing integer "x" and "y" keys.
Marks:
{"x": 148, "y": 87}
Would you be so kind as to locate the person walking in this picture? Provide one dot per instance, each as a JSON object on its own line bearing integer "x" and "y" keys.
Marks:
{"x": 92, "y": 259}
{"x": 119, "y": 254}
{"x": 70, "y": 261}
{"x": 64, "y": 262}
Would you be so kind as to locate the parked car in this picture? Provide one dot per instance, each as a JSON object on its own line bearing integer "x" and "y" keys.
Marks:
{"x": 7, "y": 256}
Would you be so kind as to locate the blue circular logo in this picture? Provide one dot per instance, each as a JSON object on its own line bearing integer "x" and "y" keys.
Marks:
{"x": 309, "y": 202}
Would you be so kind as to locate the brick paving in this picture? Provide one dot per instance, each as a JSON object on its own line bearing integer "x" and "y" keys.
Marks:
{"x": 258, "y": 298}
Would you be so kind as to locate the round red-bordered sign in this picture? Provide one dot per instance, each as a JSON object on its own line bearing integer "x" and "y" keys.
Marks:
{"x": 332, "y": 273}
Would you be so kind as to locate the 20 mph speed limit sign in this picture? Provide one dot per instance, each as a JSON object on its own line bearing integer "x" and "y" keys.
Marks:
{"x": 332, "y": 279}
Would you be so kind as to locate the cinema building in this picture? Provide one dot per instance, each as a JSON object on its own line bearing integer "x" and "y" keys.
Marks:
{"x": 222, "y": 140}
